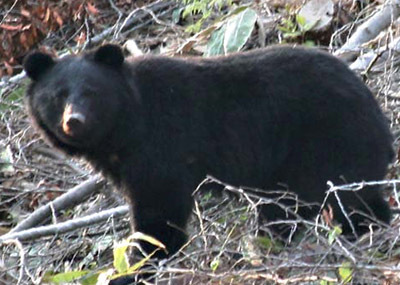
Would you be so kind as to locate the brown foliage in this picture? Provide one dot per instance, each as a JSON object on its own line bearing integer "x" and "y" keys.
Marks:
{"x": 53, "y": 23}
{"x": 28, "y": 22}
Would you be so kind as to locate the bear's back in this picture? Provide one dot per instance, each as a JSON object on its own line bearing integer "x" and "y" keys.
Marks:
{"x": 256, "y": 107}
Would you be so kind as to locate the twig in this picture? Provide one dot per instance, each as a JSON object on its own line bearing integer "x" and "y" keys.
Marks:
{"x": 134, "y": 17}
{"x": 115, "y": 8}
{"x": 8, "y": 11}
{"x": 348, "y": 187}
{"x": 343, "y": 210}
{"x": 156, "y": 19}
{"x": 202, "y": 230}
{"x": 22, "y": 264}
{"x": 18, "y": 244}
{"x": 146, "y": 22}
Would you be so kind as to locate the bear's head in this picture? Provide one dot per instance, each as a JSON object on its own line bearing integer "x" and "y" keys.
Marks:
{"x": 76, "y": 101}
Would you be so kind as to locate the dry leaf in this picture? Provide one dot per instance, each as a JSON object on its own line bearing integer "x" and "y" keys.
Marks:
{"x": 9, "y": 68}
{"x": 58, "y": 18}
{"x": 91, "y": 9}
{"x": 47, "y": 16}
{"x": 11, "y": 27}
{"x": 25, "y": 13}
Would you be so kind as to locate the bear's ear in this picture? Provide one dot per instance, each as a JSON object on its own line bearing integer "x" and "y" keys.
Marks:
{"x": 109, "y": 54}
{"x": 36, "y": 63}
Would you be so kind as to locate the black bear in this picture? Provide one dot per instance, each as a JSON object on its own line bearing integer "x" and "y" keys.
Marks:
{"x": 156, "y": 126}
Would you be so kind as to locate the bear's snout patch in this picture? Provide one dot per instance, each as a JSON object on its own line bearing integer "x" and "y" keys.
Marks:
{"x": 72, "y": 121}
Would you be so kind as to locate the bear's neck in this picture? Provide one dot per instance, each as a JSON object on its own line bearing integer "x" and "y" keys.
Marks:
{"x": 124, "y": 143}
{"x": 113, "y": 166}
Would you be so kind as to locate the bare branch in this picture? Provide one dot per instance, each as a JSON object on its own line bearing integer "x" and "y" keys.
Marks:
{"x": 371, "y": 28}
{"x": 64, "y": 227}
{"x": 73, "y": 197}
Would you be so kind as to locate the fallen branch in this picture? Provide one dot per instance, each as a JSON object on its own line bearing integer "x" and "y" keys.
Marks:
{"x": 64, "y": 227}
{"x": 365, "y": 61}
{"x": 372, "y": 27}
{"x": 71, "y": 198}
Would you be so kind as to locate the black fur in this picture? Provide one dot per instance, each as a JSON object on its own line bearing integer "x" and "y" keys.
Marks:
{"x": 156, "y": 126}
{"x": 37, "y": 64}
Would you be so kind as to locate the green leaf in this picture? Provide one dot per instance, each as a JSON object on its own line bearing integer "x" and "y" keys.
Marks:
{"x": 121, "y": 263}
{"x": 134, "y": 268}
{"x": 309, "y": 43}
{"x": 141, "y": 262}
{"x": 346, "y": 272}
{"x": 291, "y": 35}
{"x": 61, "y": 278}
{"x": 206, "y": 196}
{"x": 12, "y": 100}
{"x": 236, "y": 11}
{"x": 194, "y": 28}
{"x": 265, "y": 242}
{"x": 215, "y": 45}
{"x": 90, "y": 279}
{"x": 269, "y": 244}
{"x": 301, "y": 20}
{"x": 214, "y": 264}
{"x": 334, "y": 233}
{"x": 176, "y": 15}
{"x": 244, "y": 217}
{"x": 238, "y": 30}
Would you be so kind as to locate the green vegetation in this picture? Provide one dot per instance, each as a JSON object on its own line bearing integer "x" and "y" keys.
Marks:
{"x": 204, "y": 8}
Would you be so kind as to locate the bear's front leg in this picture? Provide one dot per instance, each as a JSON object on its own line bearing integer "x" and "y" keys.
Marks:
{"x": 161, "y": 209}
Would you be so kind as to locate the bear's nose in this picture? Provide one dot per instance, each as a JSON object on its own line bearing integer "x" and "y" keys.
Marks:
{"x": 73, "y": 123}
